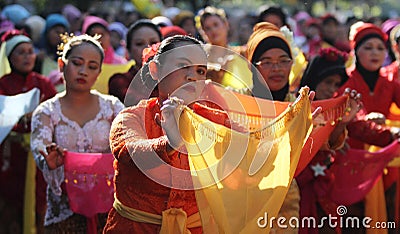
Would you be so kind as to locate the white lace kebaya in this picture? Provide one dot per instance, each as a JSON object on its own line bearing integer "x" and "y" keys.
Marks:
{"x": 50, "y": 125}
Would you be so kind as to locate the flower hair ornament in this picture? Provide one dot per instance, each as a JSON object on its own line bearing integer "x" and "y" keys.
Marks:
{"x": 149, "y": 52}
{"x": 68, "y": 41}
{"x": 332, "y": 55}
{"x": 289, "y": 37}
{"x": 64, "y": 39}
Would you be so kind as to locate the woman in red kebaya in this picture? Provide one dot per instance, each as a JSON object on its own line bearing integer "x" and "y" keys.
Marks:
{"x": 378, "y": 86}
{"x": 145, "y": 146}
{"x": 325, "y": 73}
{"x": 13, "y": 151}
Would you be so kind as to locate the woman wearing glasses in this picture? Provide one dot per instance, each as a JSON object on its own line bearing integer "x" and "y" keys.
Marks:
{"x": 271, "y": 56}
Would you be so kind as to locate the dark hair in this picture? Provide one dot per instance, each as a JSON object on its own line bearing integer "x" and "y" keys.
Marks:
{"x": 139, "y": 24}
{"x": 69, "y": 43}
{"x": 90, "y": 28}
{"x": 328, "y": 18}
{"x": 329, "y": 61}
{"x": 211, "y": 11}
{"x": 182, "y": 16}
{"x": 273, "y": 10}
{"x": 166, "y": 45}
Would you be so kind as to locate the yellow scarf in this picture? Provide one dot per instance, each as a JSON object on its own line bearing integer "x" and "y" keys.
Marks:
{"x": 172, "y": 221}
{"x": 375, "y": 203}
{"x": 241, "y": 178}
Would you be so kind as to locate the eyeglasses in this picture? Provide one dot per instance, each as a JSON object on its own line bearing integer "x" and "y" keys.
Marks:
{"x": 268, "y": 64}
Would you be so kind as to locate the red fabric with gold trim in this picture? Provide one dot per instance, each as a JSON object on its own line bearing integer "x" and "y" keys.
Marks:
{"x": 332, "y": 109}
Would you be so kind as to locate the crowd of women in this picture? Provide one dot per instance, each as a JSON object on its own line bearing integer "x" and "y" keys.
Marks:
{"x": 334, "y": 118}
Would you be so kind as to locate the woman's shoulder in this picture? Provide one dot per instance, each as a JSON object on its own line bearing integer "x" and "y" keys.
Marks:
{"x": 139, "y": 108}
{"x": 49, "y": 106}
{"x": 133, "y": 114}
{"x": 108, "y": 102}
{"x": 5, "y": 77}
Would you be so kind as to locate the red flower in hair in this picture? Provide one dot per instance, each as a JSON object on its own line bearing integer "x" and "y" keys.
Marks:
{"x": 12, "y": 33}
{"x": 149, "y": 52}
{"x": 332, "y": 55}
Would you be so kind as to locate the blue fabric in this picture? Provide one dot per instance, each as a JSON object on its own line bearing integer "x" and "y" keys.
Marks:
{"x": 55, "y": 19}
{"x": 14, "y": 41}
{"x": 15, "y": 12}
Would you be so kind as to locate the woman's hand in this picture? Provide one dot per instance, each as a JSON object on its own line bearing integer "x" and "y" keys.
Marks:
{"x": 54, "y": 157}
{"x": 353, "y": 106}
{"x": 318, "y": 110}
{"x": 168, "y": 121}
